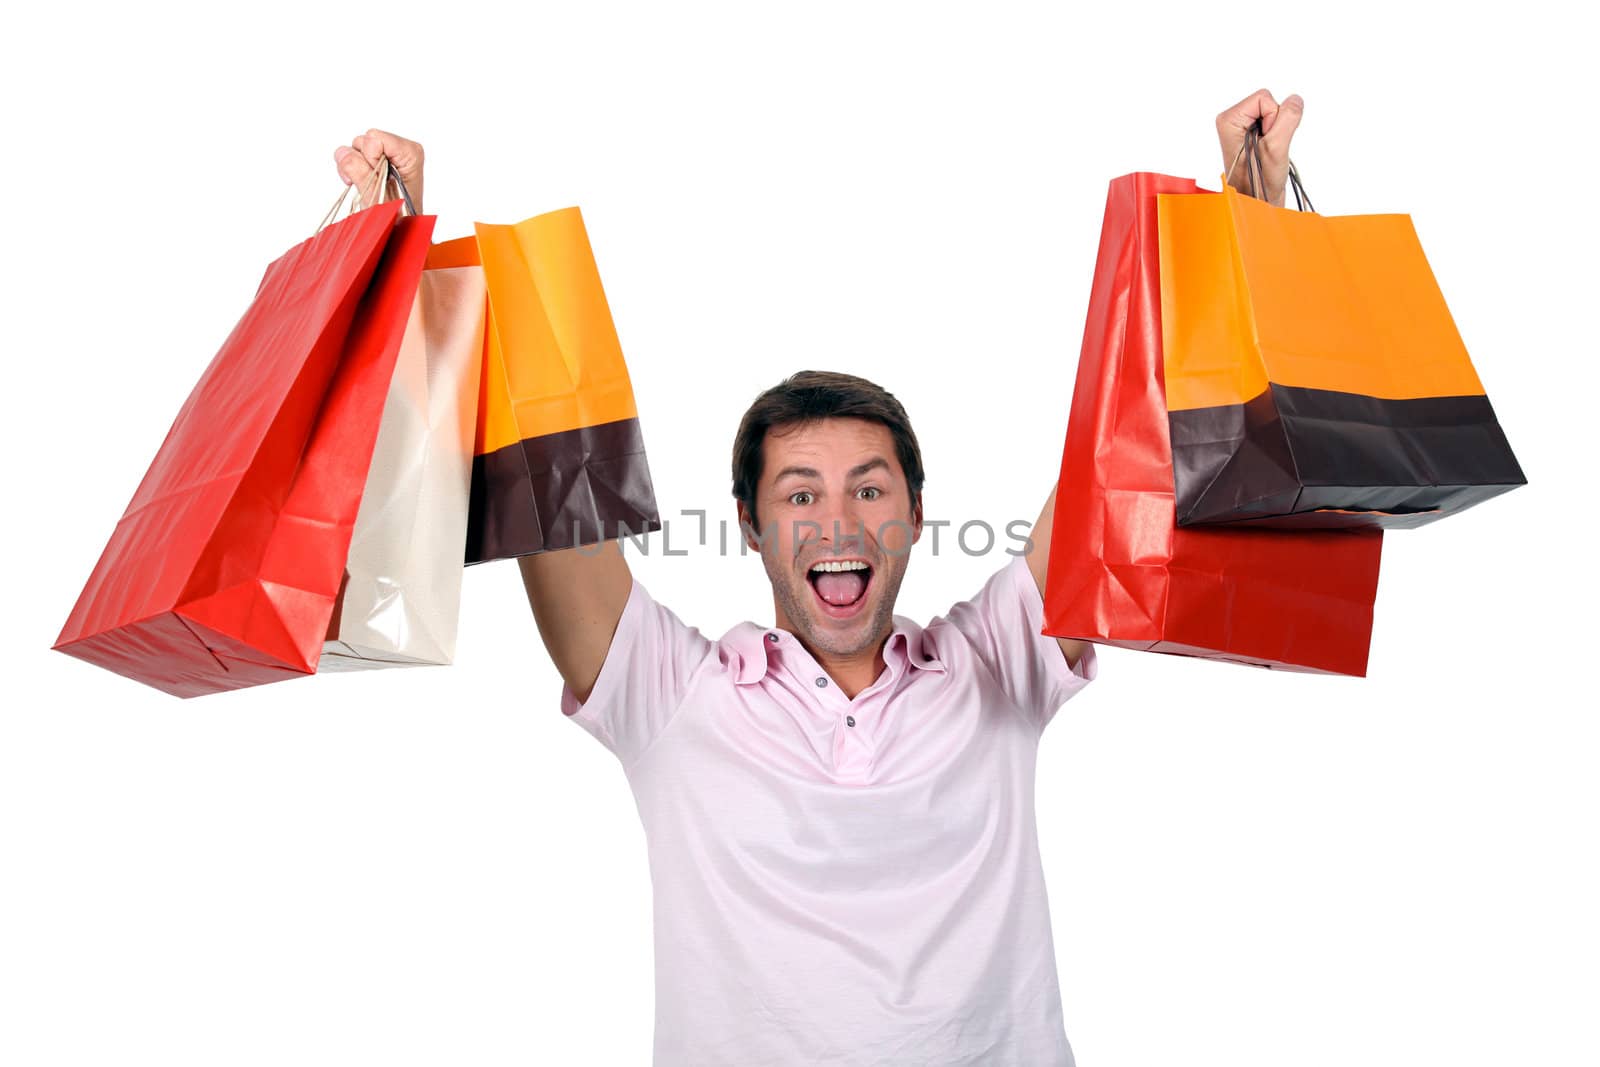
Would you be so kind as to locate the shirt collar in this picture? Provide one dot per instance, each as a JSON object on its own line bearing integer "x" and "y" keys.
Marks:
{"x": 752, "y": 650}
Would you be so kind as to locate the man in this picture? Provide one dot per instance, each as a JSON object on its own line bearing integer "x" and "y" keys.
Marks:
{"x": 838, "y": 807}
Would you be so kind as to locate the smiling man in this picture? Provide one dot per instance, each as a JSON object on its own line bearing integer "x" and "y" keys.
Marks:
{"x": 838, "y": 807}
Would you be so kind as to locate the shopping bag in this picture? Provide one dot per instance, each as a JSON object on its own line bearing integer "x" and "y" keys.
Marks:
{"x": 223, "y": 570}
{"x": 1121, "y": 571}
{"x": 401, "y": 596}
{"x": 558, "y": 459}
{"x": 1314, "y": 375}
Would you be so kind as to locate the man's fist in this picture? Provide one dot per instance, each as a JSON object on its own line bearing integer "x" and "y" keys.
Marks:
{"x": 1278, "y": 123}
{"x": 359, "y": 159}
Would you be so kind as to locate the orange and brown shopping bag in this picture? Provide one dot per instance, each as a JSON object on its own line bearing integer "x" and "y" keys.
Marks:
{"x": 559, "y": 459}
{"x": 1314, "y": 375}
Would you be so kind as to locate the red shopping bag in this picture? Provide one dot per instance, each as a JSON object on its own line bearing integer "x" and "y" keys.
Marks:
{"x": 1121, "y": 571}
{"x": 224, "y": 570}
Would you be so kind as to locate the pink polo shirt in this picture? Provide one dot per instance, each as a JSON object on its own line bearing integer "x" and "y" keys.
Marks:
{"x": 844, "y": 882}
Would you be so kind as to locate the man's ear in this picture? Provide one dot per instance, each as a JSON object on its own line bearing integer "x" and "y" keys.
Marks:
{"x": 916, "y": 519}
{"x": 746, "y": 526}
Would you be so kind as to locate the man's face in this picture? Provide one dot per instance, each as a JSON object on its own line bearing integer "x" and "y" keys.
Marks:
{"x": 837, "y": 526}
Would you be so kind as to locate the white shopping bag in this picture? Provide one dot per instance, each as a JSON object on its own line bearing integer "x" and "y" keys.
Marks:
{"x": 402, "y": 586}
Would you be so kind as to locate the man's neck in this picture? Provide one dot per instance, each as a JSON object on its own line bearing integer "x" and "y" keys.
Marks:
{"x": 854, "y": 673}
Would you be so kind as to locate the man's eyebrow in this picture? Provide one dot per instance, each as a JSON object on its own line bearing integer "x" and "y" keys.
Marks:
{"x": 855, "y": 472}
{"x": 871, "y": 464}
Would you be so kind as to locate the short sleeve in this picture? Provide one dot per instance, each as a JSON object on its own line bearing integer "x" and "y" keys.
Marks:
{"x": 1004, "y": 624}
{"x": 644, "y": 678}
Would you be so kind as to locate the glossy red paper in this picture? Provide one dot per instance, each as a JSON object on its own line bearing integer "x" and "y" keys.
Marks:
{"x": 1121, "y": 571}
{"x": 224, "y": 569}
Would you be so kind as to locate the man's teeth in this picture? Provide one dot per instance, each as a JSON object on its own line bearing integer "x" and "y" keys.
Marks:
{"x": 842, "y": 565}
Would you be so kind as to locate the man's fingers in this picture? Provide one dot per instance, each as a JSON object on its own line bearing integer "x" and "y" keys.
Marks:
{"x": 356, "y": 171}
{"x": 1237, "y": 119}
{"x": 404, "y": 155}
{"x": 371, "y": 148}
{"x": 358, "y": 161}
{"x": 353, "y": 167}
{"x": 1231, "y": 126}
{"x": 1278, "y": 123}
{"x": 1277, "y": 134}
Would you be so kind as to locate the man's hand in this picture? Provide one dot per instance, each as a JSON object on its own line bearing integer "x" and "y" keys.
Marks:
{"x": 357, "y": 161}
{"x": 1278, "y": 123}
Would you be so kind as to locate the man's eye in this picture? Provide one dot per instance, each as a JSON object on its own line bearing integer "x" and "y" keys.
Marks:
{"x": 874, "y": 490}
{"x": 795, "y": 498}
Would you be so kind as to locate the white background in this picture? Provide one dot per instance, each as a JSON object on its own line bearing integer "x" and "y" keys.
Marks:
{"x": 433, "y": 866}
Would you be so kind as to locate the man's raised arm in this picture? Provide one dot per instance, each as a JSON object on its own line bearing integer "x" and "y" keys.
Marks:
{"x": 1039, "y": 563}
{"x": 577, "y": 596}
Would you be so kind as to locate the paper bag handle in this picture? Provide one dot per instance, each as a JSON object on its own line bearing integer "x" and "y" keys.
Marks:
{"x": 1258, "y": 185}
{"x": 384, "y": 177}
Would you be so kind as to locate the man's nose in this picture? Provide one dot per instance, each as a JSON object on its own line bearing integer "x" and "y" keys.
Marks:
{"x": 842, "y": 526}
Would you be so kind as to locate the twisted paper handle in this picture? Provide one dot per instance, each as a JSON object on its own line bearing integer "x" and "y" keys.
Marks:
{"x": 384, "y": 180}
{"x": 1258, "y": 185}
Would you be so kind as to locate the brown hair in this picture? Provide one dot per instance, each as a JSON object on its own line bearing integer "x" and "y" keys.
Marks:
{"x": 817, "y": 394}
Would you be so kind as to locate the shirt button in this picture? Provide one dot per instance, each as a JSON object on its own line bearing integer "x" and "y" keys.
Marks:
{"x": 773, "y": 638}
{"x": 849, "y": 720}
{"x": 821, "y": 682}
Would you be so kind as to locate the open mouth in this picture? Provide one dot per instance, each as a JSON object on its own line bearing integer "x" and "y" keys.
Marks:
{"x": 840, "y": 585}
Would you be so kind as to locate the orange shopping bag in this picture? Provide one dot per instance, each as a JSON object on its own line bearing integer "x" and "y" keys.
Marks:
{"x": 559, "y": 458}
{"x": 1314, "y": 375}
